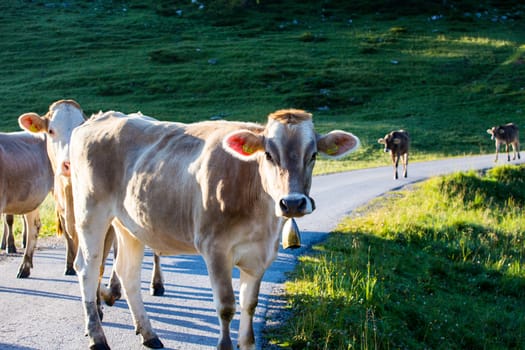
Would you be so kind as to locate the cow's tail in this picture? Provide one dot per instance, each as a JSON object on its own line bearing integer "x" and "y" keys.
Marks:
{"x": 60, "y": 229}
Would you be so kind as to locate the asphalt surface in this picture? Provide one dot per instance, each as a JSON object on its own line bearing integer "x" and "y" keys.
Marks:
{"x": 45, "y": 312}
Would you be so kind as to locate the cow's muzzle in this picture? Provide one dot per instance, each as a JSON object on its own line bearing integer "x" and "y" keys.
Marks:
{"x": 295, "y": 205}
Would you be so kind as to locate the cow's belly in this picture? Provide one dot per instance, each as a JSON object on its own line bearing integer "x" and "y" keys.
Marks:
{"x": 23, "y": 202}
{"x": 164, "y": 237}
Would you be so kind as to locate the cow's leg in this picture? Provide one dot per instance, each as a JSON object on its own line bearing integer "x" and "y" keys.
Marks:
{"x": 507, "y": 148}
{"x": 498, "y": 145}
{"x": 395, "y": 163}
{"x": 92, "y": 229}
{"x": 219, "y": 269}
{"x": 71, "y": 245}
{"x": 112, "y": 292}
{"x": 248, "y": 298}
{"x": 8, "y": 238}
{"x": 405, "y": 164}
{"x": 5, "y": 233}
{"x": 157, "y": 281}
{"x": 128, "y": 267}
{"x": 33, "y": 227}
{"x": 24, "y": 234}
{"x": 515, "y": 150}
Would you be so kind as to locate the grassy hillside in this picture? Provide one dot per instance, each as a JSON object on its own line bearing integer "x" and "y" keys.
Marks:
{"x": 446, "y": 272}
{"x": 443, "y": 72}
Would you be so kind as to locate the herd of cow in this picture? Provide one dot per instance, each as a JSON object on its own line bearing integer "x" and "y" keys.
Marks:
{"x": 398, "y": 142}
{"x": 220, "y": 189}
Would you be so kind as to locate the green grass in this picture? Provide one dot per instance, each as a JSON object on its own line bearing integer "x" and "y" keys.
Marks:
{"x": 439, "y": 266}
{"x": 366, "y": 67}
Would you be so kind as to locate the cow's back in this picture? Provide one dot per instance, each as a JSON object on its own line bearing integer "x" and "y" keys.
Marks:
{"x": 26, "y": 176}
{"x": 511, "y": 133}
{"x": 193, "y": 185}
{"x": 404, "y": 144}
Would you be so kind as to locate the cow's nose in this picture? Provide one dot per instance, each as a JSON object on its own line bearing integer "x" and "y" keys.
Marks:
{"x": 66, "y": 168}
{"x": 293, "y": 206}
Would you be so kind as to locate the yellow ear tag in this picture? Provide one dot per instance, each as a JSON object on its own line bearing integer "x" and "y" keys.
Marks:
{"x": 332, "y": 150}
{"x": 33, "y": 128}
{"x": 247, "y": 149}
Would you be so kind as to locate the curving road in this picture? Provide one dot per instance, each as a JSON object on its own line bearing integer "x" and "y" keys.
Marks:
{"x": 44, "y": 311}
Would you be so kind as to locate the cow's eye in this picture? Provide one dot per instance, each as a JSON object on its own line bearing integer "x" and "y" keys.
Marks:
{"x": 314, "y": 157}
{"x": 268, "y": 156}
{"x": 51, "y": 132}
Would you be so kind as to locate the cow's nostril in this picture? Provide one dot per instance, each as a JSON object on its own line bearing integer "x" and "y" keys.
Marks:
{"x": 293, "y": 206}
{"x": 284, "y": 207}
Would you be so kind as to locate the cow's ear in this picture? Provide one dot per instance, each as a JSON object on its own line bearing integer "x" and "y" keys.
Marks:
{"x": 381, "y": 141}
{"x": 489, "y": 131}
{"x": 337, "y": 144}
{"x": 243, "y": 144}
{"x": 32, "y": 122}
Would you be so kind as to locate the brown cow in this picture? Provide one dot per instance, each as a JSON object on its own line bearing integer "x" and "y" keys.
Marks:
{"x": 26, "y": 178}
{"x": 398, "y": 144}
{"x": 220, "y": 189}
{"x": 507, "y": 134}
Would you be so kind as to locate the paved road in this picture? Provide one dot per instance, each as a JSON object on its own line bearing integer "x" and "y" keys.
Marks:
{"x": 44, "y": 311}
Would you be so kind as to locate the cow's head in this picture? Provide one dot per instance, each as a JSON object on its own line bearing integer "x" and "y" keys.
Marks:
{"x": 496, "y": 131}
{"x": 286, "y": 153}
{"x": 58, "y": 123}
{"x": 390, "y": 141}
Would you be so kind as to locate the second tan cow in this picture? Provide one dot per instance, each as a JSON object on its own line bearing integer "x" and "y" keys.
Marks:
{"x": 58, "y": 124}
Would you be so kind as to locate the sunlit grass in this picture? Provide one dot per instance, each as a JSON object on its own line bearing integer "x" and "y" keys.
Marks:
{"x": 485, "y": 41}
{"x": 437, "y": 266}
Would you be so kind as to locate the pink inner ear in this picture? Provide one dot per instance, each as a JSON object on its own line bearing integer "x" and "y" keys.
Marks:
{"x": 27, "y": 122}
{"x": 238, "y": 144}
{"x": 345, "y": 143}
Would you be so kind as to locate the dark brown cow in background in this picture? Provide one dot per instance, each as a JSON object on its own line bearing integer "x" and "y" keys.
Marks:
{"x": 398, "y": 144}
{"x": 507, "y": 134}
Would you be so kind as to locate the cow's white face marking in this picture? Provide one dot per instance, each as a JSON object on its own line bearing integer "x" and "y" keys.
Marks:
{"x": 289, "y": 159}
{"x": 63, "y": 118}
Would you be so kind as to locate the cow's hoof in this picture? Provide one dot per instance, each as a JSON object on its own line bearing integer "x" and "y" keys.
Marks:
{"x": 153, "y": 343}
{"x": 11, "y": 250}
{"x": 116, "y": 293}
{"x": 157, "y": 290}
{"x": 23, "y": 273}
{"x": 103, "y": 346}
{"x": 70, "y": 271}
{"x": 110, "y": 300}
{"x": 100, "y": 313}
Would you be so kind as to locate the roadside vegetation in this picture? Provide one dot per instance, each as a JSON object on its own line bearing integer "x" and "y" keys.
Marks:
{"x": 437, "y": 266}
